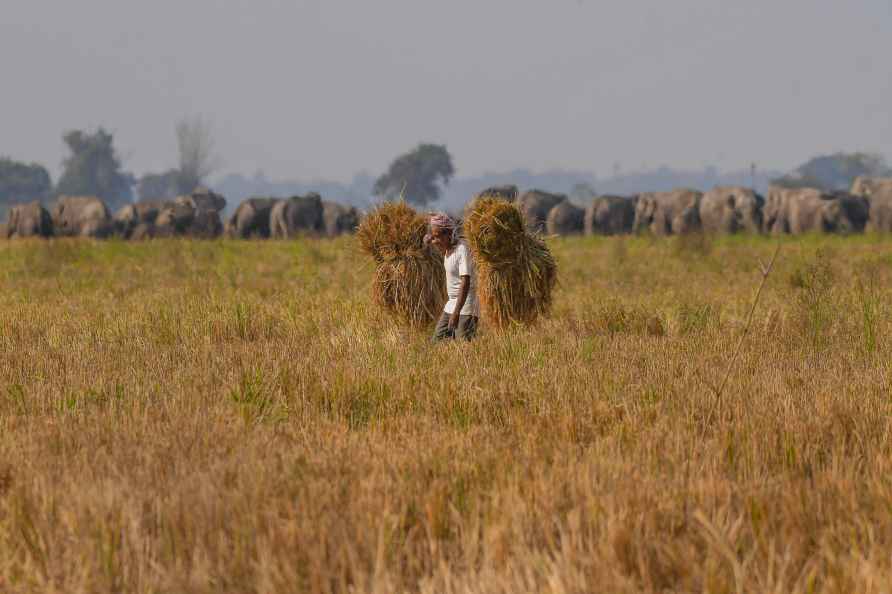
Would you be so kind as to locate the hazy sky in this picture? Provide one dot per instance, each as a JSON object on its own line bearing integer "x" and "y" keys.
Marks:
{"x": 324, "y": 88}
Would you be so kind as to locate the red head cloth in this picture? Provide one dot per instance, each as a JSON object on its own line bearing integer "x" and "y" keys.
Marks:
{"x": 443, "y": 221}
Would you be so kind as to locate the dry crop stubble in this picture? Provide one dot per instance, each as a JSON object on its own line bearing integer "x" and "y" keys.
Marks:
{"x": 245, "y": 419}
{"x": 516, "y": 272}
{"x": 409, "y": 280}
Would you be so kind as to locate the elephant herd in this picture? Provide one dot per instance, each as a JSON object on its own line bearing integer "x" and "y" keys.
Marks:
{"x": 728, "y": 209}
{"x": 197, "y": 215}
{"x": 722, "y": 210}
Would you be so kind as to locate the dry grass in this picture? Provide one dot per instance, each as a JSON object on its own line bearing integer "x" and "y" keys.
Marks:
{"x": 409, "y": 280}
{"x": 516, "y": 272}
{"x": 238, "y": 417}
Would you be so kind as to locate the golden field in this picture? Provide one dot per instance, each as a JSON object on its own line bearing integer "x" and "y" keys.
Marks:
{"x": 180, "y": 416}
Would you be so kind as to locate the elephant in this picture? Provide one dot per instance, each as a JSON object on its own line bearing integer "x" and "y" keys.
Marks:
{"x": 338, "y": 219}
{"x": 878, "y": 192}
{"x": 804, "y": 210}
{"x": 127, "y": 219}
{"x": 181, "y": 218}
{"x": 28, "y": 220}
{"x": 143, "y": 231}
{"x": 204, "y": 199}
{"x": 535, "y": 206}
{"x": 870, "y": 186}
{"x": 206, "y": 207}
{"x": 251, "y": 219}
{"x": 174, "y": 219}
{"x": 565, "y": 219}
{"x": 81, "y": 216}
{"x": 668, "y": 213}
{"x": 298, "y": 214}
{"x": 206, "y": 224}
{"x": 508, "y": 192}
{"x": 730, "y": 209}
{"x": 610, "y": 215}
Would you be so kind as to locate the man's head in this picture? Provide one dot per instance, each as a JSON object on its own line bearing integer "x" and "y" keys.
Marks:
{"x": 442, "y": 234}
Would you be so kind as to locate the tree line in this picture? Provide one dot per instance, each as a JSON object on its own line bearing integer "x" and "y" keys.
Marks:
{"x": 93, "y": 168}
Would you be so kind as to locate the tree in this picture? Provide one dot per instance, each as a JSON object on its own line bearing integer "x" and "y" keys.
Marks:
{"x": 834, "y": 172}
{"x": 417, "y": 175}
{"x": 159, "y": 186}
{"x": 195, "y": 142}
{"x": 21, "y": 183}
{"x": 93, "y": 169}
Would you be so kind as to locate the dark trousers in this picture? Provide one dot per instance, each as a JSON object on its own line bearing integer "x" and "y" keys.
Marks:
{"x": 466, "y": 329}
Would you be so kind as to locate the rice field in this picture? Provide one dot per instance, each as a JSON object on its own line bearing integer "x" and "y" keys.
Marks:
{"x": 185, "y": 416}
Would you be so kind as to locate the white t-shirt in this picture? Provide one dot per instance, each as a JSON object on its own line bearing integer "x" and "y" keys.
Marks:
{"x": 459, "y": 263}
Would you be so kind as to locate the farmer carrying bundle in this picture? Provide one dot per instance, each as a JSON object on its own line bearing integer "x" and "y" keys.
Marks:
{"x": 461, "y": 312}
{"x": 516, "y": 272}
{"x": 409, "y": 280}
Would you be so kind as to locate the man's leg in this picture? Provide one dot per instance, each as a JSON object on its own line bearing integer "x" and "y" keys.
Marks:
{"x": 467, "y": 327}
{"x": 442, "y": 332}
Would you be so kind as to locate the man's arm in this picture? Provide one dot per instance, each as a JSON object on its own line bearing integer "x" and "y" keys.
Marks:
{"x": 460, "y": 302}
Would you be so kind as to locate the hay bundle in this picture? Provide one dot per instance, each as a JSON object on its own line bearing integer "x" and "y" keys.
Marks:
{"x": 515, "y": 271}
{"x": 409, "y": 281}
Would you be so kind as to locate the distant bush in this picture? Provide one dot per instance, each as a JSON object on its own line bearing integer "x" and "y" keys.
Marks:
{"x": 158, "y": 186}
{"x": 94, "y": 169}
{"x": 21, "y": 183}
{"x": 834, "y": 172}
{"x": 417, "y": 175}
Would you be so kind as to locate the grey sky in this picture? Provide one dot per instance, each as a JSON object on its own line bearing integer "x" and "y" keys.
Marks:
{"x": 324, "y": 88}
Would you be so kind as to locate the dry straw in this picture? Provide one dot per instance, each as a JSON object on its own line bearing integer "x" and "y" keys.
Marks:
{"x": 409, "y": 280}
{"x": 516, "y": 272}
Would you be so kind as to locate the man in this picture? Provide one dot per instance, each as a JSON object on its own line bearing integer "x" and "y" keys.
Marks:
{"x": 462, "y": 312}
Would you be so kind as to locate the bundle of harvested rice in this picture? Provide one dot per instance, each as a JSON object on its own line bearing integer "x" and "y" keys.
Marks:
{"x": 409, "y": 280}
{"x": 515, "y": 270}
